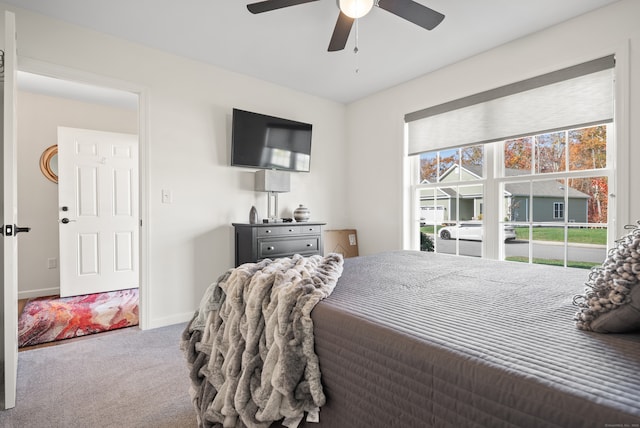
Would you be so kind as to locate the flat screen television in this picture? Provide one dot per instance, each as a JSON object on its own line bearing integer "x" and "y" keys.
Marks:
{"x": 261, "y": 141}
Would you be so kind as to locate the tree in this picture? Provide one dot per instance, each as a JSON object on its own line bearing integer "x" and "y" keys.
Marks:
{"x": 598, "y": 190}
{"x": 588, "y": 148}
{"x": 426, "y": 242}
{"x": 434, "y": 164}
{"x": 550, "y": 152}
{"x": 517, "y": 154}
{"x": 428, "y": 167}
{"x": 472, "y": 156}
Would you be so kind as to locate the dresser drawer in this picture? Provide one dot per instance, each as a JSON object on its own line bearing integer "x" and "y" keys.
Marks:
{"x": 310, "y": 229}
{"x": 278, "y": 231}
{"x": 269, "y": 248}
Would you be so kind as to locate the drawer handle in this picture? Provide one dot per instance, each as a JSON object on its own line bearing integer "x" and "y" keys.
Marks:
{"x": 271, "y": 248}
{"x": 309, "y": 245}
{"x": 267, "y": 231}
{"x": 290, "y": 230}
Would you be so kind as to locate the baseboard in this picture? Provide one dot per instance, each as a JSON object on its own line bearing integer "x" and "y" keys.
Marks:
{"x": 173, "y": 319}
{"x": 30, "y": 294}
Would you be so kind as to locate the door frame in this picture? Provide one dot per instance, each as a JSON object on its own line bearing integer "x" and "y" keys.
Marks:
{"x": 9, "y": 271}
{"x": 35, "y": 66}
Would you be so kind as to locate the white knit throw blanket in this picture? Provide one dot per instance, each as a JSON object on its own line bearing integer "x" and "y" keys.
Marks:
{"x": 259, "y": 339}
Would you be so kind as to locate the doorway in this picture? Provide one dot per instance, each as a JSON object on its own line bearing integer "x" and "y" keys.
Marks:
{"x": 49, "y": 97}
{"x": 98, "y": 211}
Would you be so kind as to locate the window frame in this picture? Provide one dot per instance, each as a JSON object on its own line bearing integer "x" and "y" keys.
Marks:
{"x": 493, "y": 179}
{"x": 618, "y": 154}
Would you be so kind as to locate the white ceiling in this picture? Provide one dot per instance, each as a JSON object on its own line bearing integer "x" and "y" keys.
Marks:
{"x": 289, "y": 46}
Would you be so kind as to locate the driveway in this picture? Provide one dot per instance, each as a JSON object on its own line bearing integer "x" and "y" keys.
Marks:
{"x": 541, "y": 249}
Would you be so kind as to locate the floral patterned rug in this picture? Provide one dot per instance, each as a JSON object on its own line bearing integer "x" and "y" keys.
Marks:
{"x": 46, "y": 319}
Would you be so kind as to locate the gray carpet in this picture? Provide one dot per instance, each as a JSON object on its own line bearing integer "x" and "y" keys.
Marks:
{"x": 124, "y": 378}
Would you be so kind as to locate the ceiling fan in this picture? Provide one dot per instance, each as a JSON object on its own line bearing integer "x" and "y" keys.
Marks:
{"x": 350, "y": 10}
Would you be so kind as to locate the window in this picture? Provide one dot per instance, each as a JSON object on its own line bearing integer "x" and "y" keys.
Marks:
{"x": 450, "y": 192}
{"x": 545, "y": 197}
{"x": 534, "y": 197}
{"x": 558, "y": 210}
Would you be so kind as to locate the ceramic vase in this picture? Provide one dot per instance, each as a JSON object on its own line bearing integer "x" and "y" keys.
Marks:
{"x": 253, "y": 215}
{"x": 302, "y": 214}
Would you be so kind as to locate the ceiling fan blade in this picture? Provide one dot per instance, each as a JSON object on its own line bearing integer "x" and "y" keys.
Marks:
{"x": 268, "y": 5}
{"x": 340, "y": 33}
{"x": 413, "y": 12}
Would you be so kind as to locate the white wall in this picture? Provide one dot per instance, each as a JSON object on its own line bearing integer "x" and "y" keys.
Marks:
{"x": 38, "y": 119}
{"x": 188, "y": 122}
{"x": 375, "y": 124}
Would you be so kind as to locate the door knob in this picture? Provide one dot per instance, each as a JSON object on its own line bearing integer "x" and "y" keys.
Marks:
{"x": 17, "y": 229}
{"x": 65, "y": 220}
{"x": 12, "y": 230}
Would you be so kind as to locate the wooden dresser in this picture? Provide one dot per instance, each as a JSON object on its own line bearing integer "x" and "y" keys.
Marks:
{"x": 273, "y": 240}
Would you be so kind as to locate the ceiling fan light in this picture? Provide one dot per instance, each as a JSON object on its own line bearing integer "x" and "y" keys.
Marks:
{"x": 355, "y": 8}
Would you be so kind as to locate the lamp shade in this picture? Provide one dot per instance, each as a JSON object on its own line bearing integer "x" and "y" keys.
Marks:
{"x": 269, "y": 180}
{"x": 355, "y": 8}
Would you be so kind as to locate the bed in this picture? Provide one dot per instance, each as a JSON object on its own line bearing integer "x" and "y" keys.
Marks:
{"x": 413, "y": 339}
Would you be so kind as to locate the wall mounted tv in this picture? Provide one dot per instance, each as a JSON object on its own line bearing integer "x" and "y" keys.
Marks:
{"x": 261, "y": 141}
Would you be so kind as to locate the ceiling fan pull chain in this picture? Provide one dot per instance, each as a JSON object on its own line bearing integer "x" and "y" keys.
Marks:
{"x": 355, "y": 49}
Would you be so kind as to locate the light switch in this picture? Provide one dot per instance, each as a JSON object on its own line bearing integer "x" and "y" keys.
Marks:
{"x": 166, "y": 196}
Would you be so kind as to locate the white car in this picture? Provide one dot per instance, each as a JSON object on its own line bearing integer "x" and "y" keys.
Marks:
{"x": 473, "y": 231}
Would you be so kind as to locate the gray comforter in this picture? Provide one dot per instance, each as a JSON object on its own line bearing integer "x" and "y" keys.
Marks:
{"x": 250, "y": 346}
{"x": 413, "y": 339}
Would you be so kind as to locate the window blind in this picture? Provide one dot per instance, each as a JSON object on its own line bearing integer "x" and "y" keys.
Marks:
{"x": 576, "y": 96}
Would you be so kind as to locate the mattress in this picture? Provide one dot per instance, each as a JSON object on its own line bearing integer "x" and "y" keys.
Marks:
{"x": 412, "y": 339}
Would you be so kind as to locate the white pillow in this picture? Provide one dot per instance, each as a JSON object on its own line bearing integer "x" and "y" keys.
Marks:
{"x": 611, "y": 303}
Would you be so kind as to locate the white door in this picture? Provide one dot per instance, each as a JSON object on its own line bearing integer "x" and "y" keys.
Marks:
{"x": 9, "y": 202}
{"x": 98, "y": 211}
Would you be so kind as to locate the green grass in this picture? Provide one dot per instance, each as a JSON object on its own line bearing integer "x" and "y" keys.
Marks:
{"x": 554, "y": 262}
{"x": 576, "y": 235}
{"x": 429, "y": 229}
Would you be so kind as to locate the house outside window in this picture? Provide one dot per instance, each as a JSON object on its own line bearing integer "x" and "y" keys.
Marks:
{"x": 552, "y": 189}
